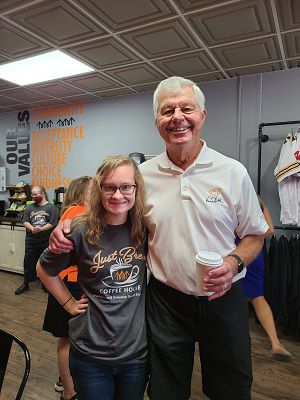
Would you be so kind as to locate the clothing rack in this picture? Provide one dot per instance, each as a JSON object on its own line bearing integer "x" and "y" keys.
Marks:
{"x": 288, "y": 228}
{"x": 263, "y": 139}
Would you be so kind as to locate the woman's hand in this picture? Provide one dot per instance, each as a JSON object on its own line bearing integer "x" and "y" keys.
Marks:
{"x": 77, "y": 307}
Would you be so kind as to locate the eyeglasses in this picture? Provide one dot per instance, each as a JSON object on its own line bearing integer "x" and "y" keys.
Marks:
{"x": 124, "y": 189}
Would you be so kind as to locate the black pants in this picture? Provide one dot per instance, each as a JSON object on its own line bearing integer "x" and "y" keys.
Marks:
{"x": 176, "y": 322}
{"x": 32, "y": 255}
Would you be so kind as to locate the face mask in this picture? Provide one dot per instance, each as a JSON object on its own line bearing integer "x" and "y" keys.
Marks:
{"x": 37, "y": 199}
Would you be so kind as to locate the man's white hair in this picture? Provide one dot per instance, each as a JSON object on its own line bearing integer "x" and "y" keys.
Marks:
{"x": 174, "y": 85}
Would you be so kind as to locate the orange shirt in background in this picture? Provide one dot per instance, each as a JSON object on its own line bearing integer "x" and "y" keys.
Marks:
{"x": 71, "y": 213}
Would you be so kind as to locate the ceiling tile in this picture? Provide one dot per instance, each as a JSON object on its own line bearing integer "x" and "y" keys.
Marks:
{"x": 288, "y": 12}
{"x": 81, "y": 97}
{"x": 5, "y": 85}
{"x": 248, "y": 53}
{"x": 50, "y": 102}
{"x": 185, "y": 64}
{"x": 234, "y": 22}
{"x": 6, "y": 101}
{"x": 142, "y": 73}
{"x": 161, "y": 40}
{"x": 105, "y": 53}
{"x": 6, "y": 5}
{"x": 292, "y": 44}
{"x": 133, "y": 44}
{"x": 206, "y": 77}
{"x": 120, "y": 15}
{"x": 146, "y": 87}
{"x": 24, "y": 94}
{"x": 190, "y": 5}
{"x": 57, "y": 22}
{"x": 56, "y": 89}
{"x": 257, "y": 69}
{"x": 92, "y": 82}
{"x": 16, "y": 107}
{"x": 4, "y": 59}
{"x": 294, "y": 63}
{"x": 115, "y": 92}
{"x": 15, "y": 43}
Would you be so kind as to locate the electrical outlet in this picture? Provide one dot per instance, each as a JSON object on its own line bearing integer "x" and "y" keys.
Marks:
{"x": 12, "y": 248}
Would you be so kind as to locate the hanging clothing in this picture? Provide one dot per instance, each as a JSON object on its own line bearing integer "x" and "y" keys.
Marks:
{"x": 287, "y": 173}
{"x": 294, "y": 287}
{"x": 289, "y": 162}
{"x": 282, "y": 283}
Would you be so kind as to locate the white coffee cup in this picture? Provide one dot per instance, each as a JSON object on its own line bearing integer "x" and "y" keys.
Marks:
{"x": 205, "y": 260}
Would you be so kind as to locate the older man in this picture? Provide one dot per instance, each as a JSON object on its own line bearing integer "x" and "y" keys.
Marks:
{"x": 197, "y": 199}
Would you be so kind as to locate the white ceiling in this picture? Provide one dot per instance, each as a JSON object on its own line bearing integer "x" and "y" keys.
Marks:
{"x": 133, "y": 44}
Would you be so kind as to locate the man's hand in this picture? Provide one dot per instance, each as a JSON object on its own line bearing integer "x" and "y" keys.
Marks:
{"x": 219, "y": 279}
{"x": 58, "y": 243}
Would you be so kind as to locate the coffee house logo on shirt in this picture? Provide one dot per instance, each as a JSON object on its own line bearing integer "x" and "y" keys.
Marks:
{"x": 121, "y": 270}
{"x": 127, "y": 255}
{"x": 214, "y": 196}
{"x": 121, "y": 275}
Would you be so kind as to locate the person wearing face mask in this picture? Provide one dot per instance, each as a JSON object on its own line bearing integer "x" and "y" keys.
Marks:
{"x": 39, "y": 219}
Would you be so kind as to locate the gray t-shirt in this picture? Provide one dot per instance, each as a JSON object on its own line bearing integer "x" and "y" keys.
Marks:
{"x": 113, "y": 276}
{"x": 38, "y": 215}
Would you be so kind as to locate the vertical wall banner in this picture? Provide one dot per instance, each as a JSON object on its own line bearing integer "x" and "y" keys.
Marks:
{"x": 18, "y": 146}
{"x": 54, "y": 129}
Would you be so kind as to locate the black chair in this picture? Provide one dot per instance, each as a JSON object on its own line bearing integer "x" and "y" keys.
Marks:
{"x": 6, "y": 341}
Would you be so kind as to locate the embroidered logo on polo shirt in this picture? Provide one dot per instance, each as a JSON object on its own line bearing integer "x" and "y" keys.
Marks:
{"x": 214, "y": 196}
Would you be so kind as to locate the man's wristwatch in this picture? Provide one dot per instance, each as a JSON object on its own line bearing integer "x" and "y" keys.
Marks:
{"x": 240, "y": 262}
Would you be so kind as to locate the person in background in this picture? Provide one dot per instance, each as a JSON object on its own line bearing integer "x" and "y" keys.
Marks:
{"x": 253, "y": 287}
{"x": 108, "y": 355}
{"x": 76, "y": 202}
{"x": 39, "y": 219}
{"x": 197, "y": 199}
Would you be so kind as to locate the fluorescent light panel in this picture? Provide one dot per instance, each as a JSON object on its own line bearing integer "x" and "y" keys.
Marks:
{"x": 42, "y": 68}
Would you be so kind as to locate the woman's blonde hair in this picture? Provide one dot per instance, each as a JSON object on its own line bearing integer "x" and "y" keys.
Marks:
{"x": 95, "y": 217}
{"x": 76, "y": 192}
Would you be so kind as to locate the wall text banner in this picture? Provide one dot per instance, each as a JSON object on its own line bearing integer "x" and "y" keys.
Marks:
{"x": 56, "y": 129}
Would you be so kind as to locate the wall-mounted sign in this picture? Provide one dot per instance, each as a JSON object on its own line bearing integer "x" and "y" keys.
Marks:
{"x": 54, "y": 130}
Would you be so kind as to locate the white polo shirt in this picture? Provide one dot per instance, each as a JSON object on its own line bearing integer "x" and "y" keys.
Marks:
{"x": 201, "y": 208}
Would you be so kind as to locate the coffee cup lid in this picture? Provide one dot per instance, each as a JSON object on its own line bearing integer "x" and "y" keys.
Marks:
{"x": 209, "y": 258}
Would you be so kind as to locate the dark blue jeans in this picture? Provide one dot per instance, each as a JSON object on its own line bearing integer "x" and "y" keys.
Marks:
{"x": 97, "y": 381}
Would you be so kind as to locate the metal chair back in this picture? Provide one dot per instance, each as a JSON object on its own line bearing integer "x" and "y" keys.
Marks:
{"x": 6, "y": 341}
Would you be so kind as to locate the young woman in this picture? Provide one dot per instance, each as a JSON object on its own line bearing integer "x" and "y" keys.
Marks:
{"x": 253, "y": 287}
{"x": 56, "y": 320}
{"x": 108, "y": 356}
{"x": 39, "y": 219}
